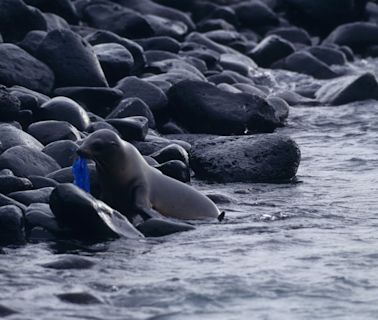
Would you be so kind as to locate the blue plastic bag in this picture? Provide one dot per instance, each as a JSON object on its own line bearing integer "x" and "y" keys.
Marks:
{"x": 81, "y": 174}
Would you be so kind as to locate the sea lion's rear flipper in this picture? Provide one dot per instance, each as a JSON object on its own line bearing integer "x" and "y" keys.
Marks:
{"x": 221, "y": 216}
{"x": 155, "y": 227}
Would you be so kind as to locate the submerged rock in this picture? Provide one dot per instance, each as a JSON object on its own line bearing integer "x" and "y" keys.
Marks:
{"x": 261, "y": 158}
{"x": 87, "y": 217}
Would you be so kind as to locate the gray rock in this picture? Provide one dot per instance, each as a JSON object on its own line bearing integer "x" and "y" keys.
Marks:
{"x": 261, "y": 158}
{"x": 12, "y": 229}
{"x": 131, "y": 128}
{"x": 175, "y": 169}
{"x": 17, "y": 67}
{"x": 25, "y": 161}
{"x": 10, "y": 183}
{"x": 32, "y": 196}
{"x": 63, "y": 151}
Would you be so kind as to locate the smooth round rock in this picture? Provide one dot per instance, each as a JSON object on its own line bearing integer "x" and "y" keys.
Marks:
{"x": 51, "y": 130}
{"x": 12, "y": 230}
{"x": 175, "y": 169}
{"x": 10, "y": 184}
{"x": 171, "y": 152}
{"x": 25, "y": 161}
{"x": 131, "y": 128}
{"x": 63, "y": 151}
{"x": 64, "y": 109}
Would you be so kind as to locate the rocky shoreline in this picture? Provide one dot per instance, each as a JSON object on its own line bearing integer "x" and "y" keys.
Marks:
{"x": 189, "y": 83}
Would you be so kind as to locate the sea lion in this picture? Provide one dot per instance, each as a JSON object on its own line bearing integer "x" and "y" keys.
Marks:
{"x": 131, "y": 186}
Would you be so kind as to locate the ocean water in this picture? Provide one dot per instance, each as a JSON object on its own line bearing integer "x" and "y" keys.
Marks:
{"x": 304, "y": 250}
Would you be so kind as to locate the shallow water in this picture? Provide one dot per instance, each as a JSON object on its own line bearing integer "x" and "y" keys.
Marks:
{"x": 306, "y": 250}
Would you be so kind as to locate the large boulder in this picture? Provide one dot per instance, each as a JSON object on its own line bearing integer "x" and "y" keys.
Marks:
{"x": 17, "y": 19}
{"x": 12, "y": 230}
{"x": 252, "y": 14}
{"x": 204, "y": 108}
{"x": 17, "y": 67}
{"x": 357, "y": 35}
{"x": 25, "y": 161}
{"x": 9, "y": 105}
{"x": 11, "y": 136}
{"x": 349, "y": 89}
{"x": 261, "y": 158}
{"x": 72, "y": 59}
{"x": 87, "y": 217}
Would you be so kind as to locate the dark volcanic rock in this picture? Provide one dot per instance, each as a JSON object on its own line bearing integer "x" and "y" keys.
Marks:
{"x": 328, "y": 55}
{"x": 131, "y": 128}
{"x": 5, "y": 311}
{"x": 175, "y": 169}
{"x": 63, "y": 151}
{"x": 64, "y": 109}
{"x": 120, "y": 20}
{"x": 203, "y": 108}
{"x": 11, "y": 136}
{"x": 32, "y": 196}
{"x": 10, "y": 184}
{"x": 271, "y": 49}
{"x": 322, "y": 16}
{"x": 264, "y": 158}
{"x": 160, "y": 43}
{"x": 25, "y": 161}
{"x": 152, "y": 95}
{"x": 32, "y": 40}
{"x": 9, "y": 105}
{"x": 357, "y": 35}
{"x": 254, "y": 14}
{"x": 17, "y": 67}
{"x": 130, "y": 107}
{"x": 17, "y": 19}
{"x": 39, "y": 215}
{"x": 115, "y": 60}
{"x": 305, "y": 62}
{"x": 42, "y": 182}
{"x": 100, "y": 100}
{"x": 135, "y": 49}
{"x": 349, "y": 89}
{"x": 87, "y": 217}
{"x": 171, "y": 152}
{"x": 72, "y": 59}
{"x": 292, "y": 34}
{"x": 69, "y": 263}
{"x": 51, "y": 130}
{"x": 6, "y": 201}
{"x": 63, "y": 8}
{"x": 81, "y": 298}
{"x": 12, "y": 229}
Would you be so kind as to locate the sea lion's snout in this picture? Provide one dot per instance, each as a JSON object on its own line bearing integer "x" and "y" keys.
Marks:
{"x": 84, "y": 153}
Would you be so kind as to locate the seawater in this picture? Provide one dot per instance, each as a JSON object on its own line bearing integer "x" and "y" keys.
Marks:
{"x": 303, "y": 250}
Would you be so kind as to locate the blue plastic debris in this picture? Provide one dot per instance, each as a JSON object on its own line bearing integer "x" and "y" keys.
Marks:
{"x": 81, "y": 174}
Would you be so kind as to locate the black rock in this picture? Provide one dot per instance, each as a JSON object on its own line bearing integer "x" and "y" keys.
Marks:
{"x": 17, "y": 67}
{"x": 32, "y": 40}
{"x": 40, "y": 97}
{"x": 100, "y": 100}
{"x": 69, "y": 263}
{"x": 292, "y": 34}
{"x": 17, "y": 19}
{"x": 328, "y": 55}
{"x": 55, "y": 22}
{"x": 130, "y": 107}
{"x": 120, "y": 20}
{"x": 357, "y": 35}
{"x": 133, "y": 87}
{"x": 154, "y": 144}
{"x": 42, "y": 182}
{"x": 63, "y": 151}
{"x": 10, "y": 184}
{"x": 254, "y": 14}
{"x": 25, "y": 161}
{"x": 131, "y": 128}
{"x": 115, "y": 60}
{"x": 271, "y": 49}
{"x": 64, "y": 109}
{"x": 63, "y": 8}
{"x": 5, "y": 311}
{"x": 102, "y": 36}
{"x": 204, "y": 108}
{"x": 87, "y": 217}
{"x": 9, "y": 105}
{"x": 51, "y": 130}
{"x": 159, "y": 227}
{"x": 166, "y": 27}
{"x": 99, "y": 125}
{"x": 214, "y": 24}
{"x": 72, "y": 59}
{"x": 175, "y": 169}
{"x": 349, "y": 89}
{"x": 12, "y": 229}
{"x": 171, "y": 152}
{"x": 32, "y": 196}
{"x": 11, "y": 136}
{"x": 304, "y": 62}
{"x": 263, "y": 158}
{"x": 81, "y": 298}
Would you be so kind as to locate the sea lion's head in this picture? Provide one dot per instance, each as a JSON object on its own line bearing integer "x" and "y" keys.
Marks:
{"x": 103, "y": 147}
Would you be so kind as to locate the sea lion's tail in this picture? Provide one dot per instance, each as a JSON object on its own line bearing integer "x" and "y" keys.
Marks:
{"x": 221, "y": 216}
